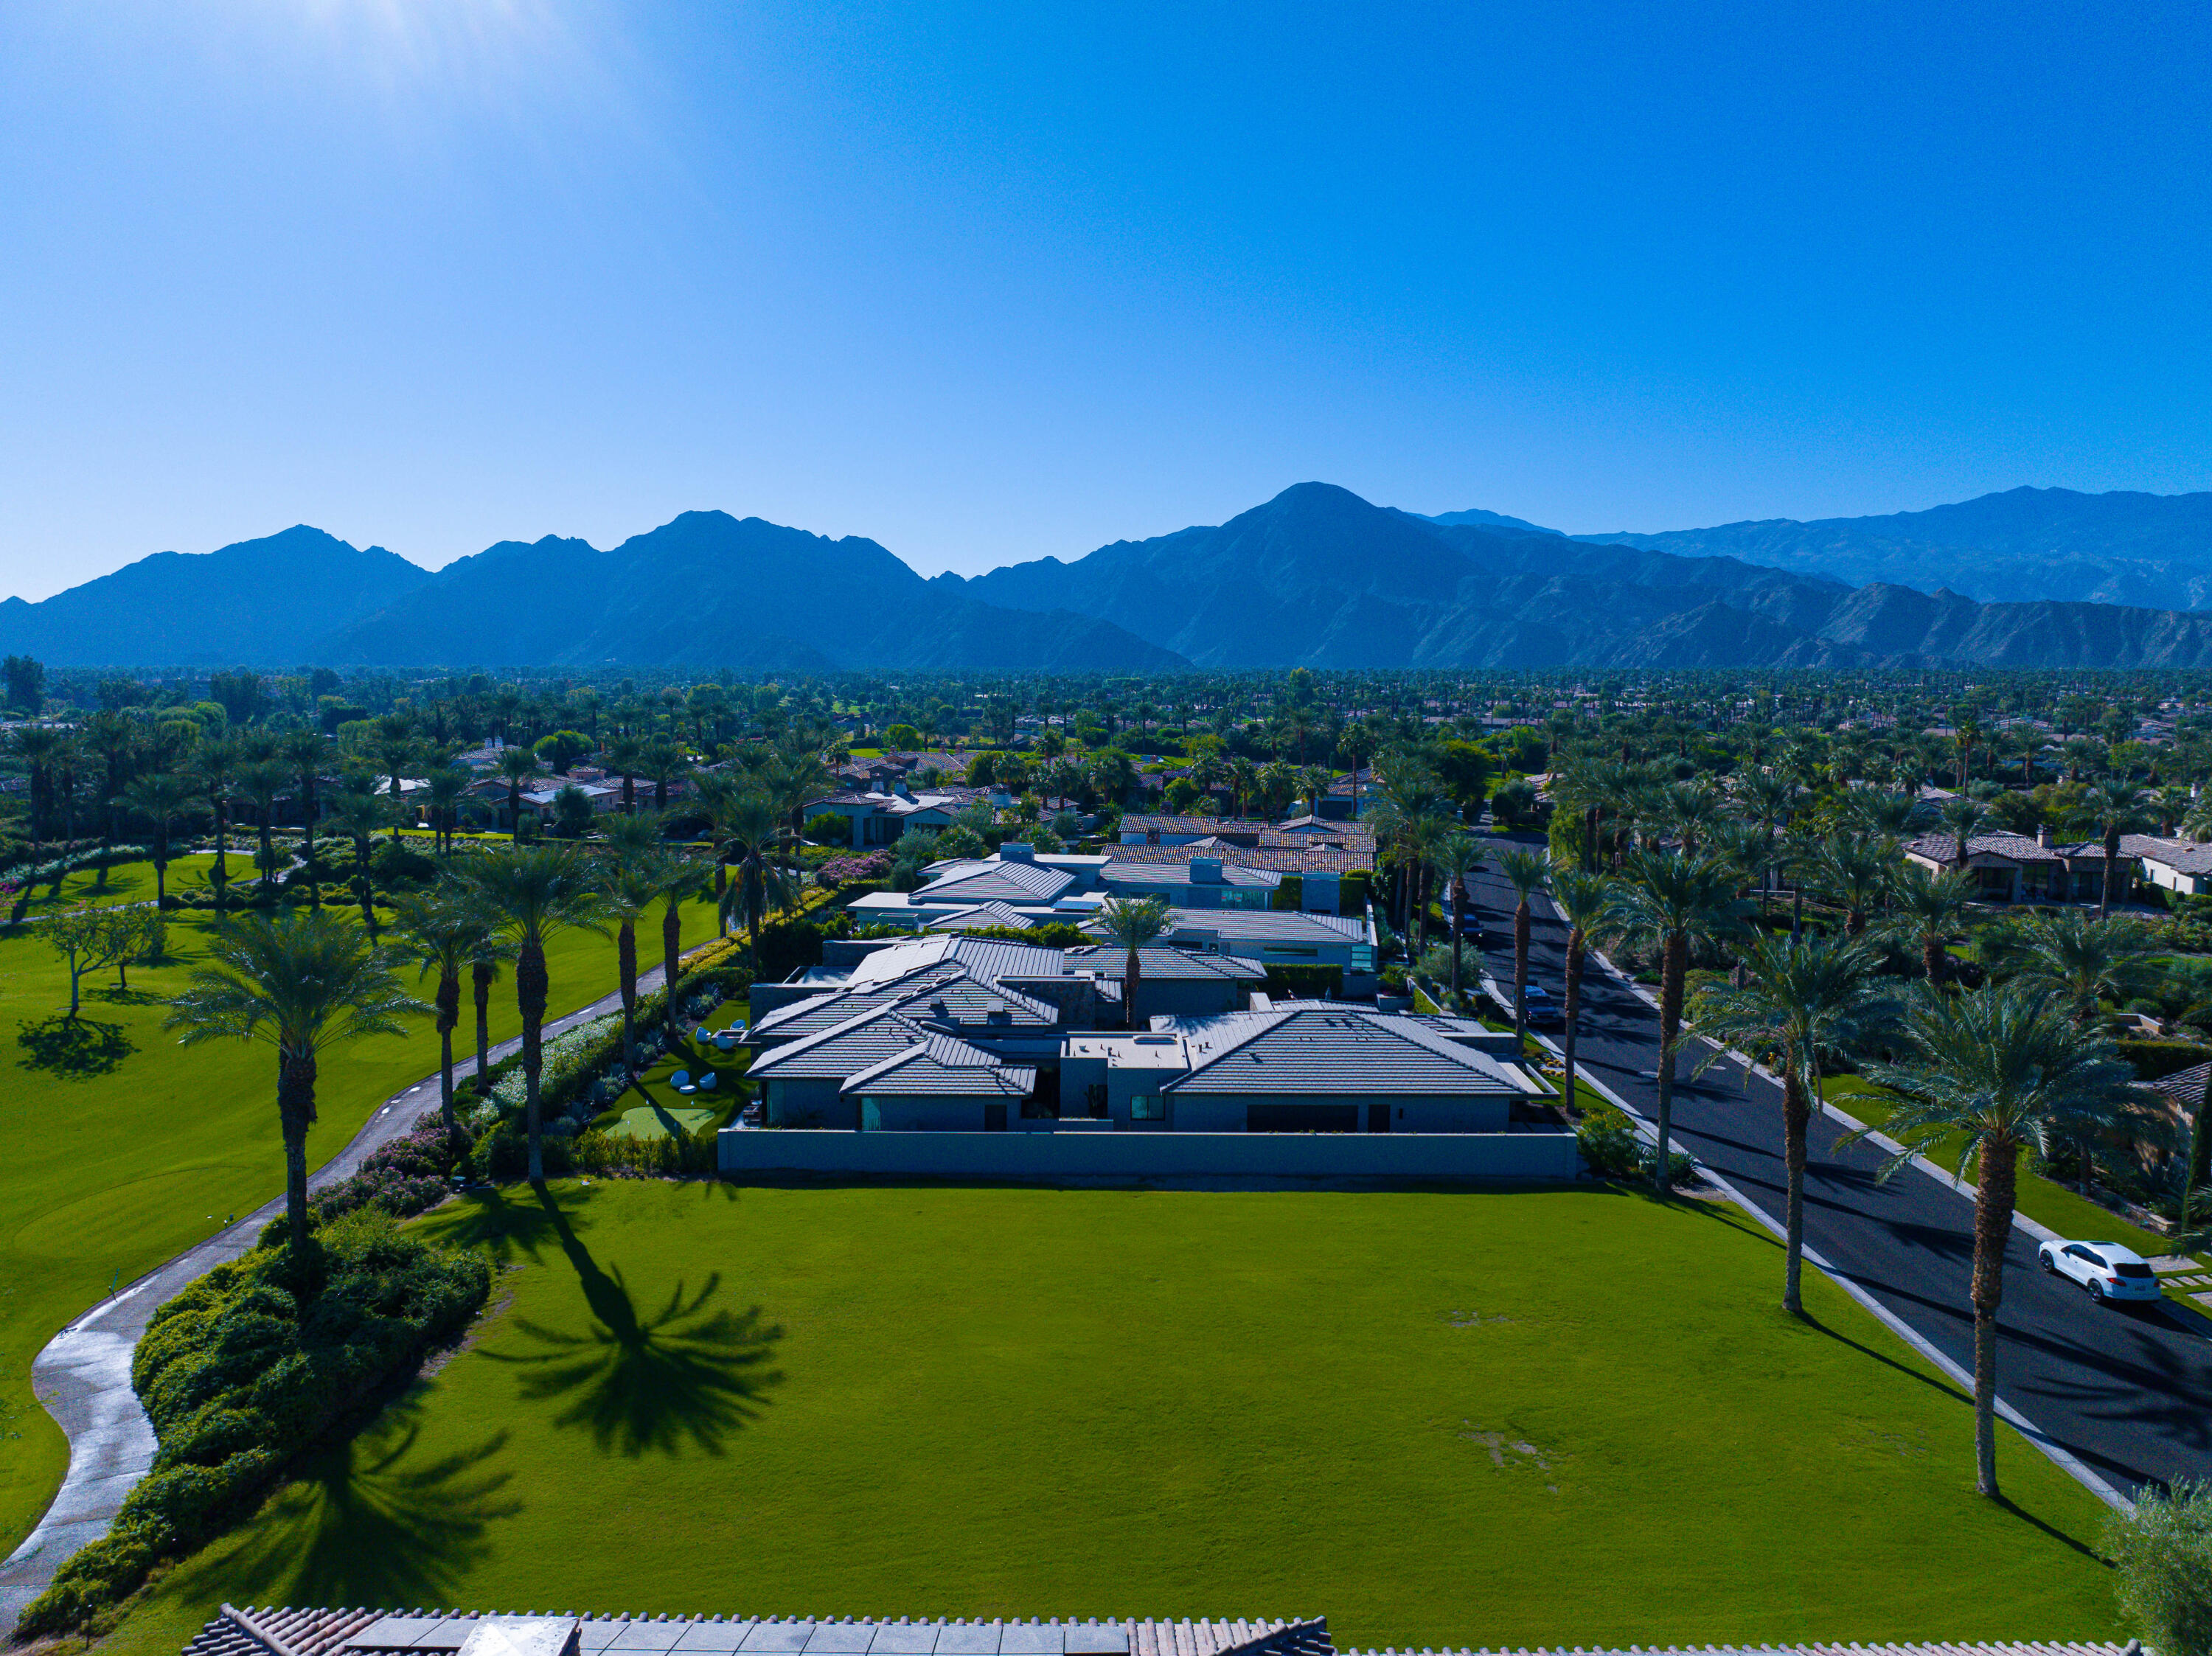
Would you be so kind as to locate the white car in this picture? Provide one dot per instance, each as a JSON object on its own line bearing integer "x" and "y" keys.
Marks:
{"x": 2108, "y": 1270}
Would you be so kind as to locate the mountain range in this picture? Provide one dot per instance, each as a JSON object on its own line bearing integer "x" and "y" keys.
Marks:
{"x": 1316, "y": 577}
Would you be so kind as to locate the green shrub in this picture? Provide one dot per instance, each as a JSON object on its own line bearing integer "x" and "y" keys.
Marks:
{"x": 1304, "y": 982}
{"x": 1055, "y": 934}
{"x": 1290, "y": 893}
{"x": 1613, "y": 1149}
{"x": 830, "y": 829}
{"x": 2156, "y": 1059}
{"x": 241, "y": 1370}
{"x": 2162, "y": 1558}
{"x": 1352, "y": 891}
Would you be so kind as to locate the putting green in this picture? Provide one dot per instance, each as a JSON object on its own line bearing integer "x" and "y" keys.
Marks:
{"x": 660, "y": 1121}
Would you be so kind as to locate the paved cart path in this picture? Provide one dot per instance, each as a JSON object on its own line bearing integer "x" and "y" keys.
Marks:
{"x": 83, "y": 1375}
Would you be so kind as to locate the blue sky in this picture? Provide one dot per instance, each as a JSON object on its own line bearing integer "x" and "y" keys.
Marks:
{"x": 989, "y": 282}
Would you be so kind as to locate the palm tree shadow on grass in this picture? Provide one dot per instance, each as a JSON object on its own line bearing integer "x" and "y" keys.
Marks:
{"x": 682, "y": 1374}
{"x": 74, "y": 1048}
{"x": 365, "y": 1521}
{"x": 505, "y": 1229}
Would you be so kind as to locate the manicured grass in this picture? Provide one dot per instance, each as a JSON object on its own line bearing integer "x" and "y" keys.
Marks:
{"x": 129, "y": 883}
{"x": 2044, "y": 1200}
{"x": 1573, "y": 1417}
{"x": 124, "y": 1155}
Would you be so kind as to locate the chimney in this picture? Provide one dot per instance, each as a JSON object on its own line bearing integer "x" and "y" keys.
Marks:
{"x": 1017, "y": 850}
{"x": 2043, "y": 836}
{"x": 1206, "y": 870}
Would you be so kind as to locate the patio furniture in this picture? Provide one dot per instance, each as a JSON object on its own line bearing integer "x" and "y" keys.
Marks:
{"x": 726, "y": 1040}
{"x": 706, "y": 1082}
{"x": 682, "y": 1082}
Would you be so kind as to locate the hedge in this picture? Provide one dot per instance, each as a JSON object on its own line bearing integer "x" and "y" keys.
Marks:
{"x": 1352, "y": 891}
{"x": 2156, "y": 1059}
{"x": 1304, "y": 982}
{"x": 1290, "y": 893}
{"x": 245, "y": 1367}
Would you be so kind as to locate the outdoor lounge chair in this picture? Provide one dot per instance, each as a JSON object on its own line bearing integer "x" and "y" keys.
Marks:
{"x": 726, "y": 1040}
{"x": 682, "y": 1082}
{"x": 707, "y": 1081}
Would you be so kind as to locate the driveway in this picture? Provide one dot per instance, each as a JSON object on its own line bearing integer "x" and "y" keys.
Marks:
{"x": 2127, "y": 1393}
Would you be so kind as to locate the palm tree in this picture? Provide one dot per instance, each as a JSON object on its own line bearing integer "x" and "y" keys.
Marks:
{"x": 492, "y": 946}
{"x": 626, "y": 759}
{"x": 302, "y": 983}
{"x": 1853, "y": 875}
{"x": 160, "y": 797}
{"x": 1666, "y": 903}
{"x": 303, "y": 752}
{"x": 357, "y": 816}
{"x": 447, "y": 786}
{"x": 2003, "y": 1069}
{"x": 1455, "y": 857}
{"x": 1243, "y": 782}
{"x": 214, "y": 764}
{"x": 393, "y": 739}
{"x": 665, "y": 761}
{"x": 440, "y": 931}
{"x": 746, "y": 823}
{"x": 518, "y": 766}
{"x": 1582, "y": 900}
{"x": 1926, "y": 908}
{"x": 2111, "y": 807}
{"x": 1133, "y": 923}
{"x": 629, "y": 883}
{"x": 678, "y": 878}
{"x": 261, "y": 780}
{"x": 1525, "y": 872}
{"x": 39, "y": 747}
{"x": 1963, "y": 818}
{"x": 534, "y": 893}
{"x": 1803, "y": 999}
{"x": 2065, "y": 953}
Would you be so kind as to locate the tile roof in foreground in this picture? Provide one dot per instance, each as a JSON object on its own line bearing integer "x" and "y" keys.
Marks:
{"x": 284, "y": 1632}
{"x": 276, "y": 1632}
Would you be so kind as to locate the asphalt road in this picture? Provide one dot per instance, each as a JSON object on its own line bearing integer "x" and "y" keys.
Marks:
{"x": 2128, "y": 1392}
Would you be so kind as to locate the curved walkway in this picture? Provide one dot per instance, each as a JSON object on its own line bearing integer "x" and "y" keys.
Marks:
{"x": 83, "y": 1375}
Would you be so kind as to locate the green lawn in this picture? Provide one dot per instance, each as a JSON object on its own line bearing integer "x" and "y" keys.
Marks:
{"x": 132, "y": 882}
{"x": 2070, "y": 1214}
{"x": 127, "y": 1150}
{"x": 1567, "y": 1416}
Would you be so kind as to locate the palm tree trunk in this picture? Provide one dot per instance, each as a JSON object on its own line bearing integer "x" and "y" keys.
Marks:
{"x": 449, "y": 1015}
{"x": 295, "y": 1112}
{"x": 1131, "y": 974}
{"x": 1521, "y": 974}
{"x": 529, "y": 992}
{"x": 221, "y": 871}
{"x": 367, "y": 890}
{"x": 1931, "y": 959}
{"x": 626, "y": 964}
{"x": 1458, "y": 885}
{"x": 1675, "y": 965}
{"x": 1993, "y": 1201}
{"x": 2112, "y": 873}
{"x": 480, "y": 979}
{"x": 2200, "y": 1140}
{"x": 307, "y": 810}
{"x": 1796, "y": 1115}
{"x": 1572, "y": 1008}
{"x": 672, "y": 950}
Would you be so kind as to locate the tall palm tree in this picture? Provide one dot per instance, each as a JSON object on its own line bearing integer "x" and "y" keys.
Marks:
{"x": 261, "y": 780}
{"x": 1926, "y": 909}
{"x": 1962, "y": 818}
{"x": 1668, "y": 903}
{"x": 1582, "y": 900}
{"x": 440, "y": 931}
{"x": 534, "y": 893}
{"x": 160, "y": 797}
{"x": 215, "y": 764}
{"x": 1803, "y": 999}
{"x": 1243, "y": 782}
{"x": 39, "y": 748}
{"x": 518, "y": 766}
{"x": 2112, "y": 807}
{"x": 393, "y": 740}
{"x": 678, "y": 877}
{"x": 2003, "y": 1069}
{"x": 626, "y": 759}
{"x": 630, "y": 884}
{"x": 356, "y": 817}
{"x": 1854, "y": 875}
{"x": 447, "y": 787}
{"x": 1454, "y": 857}
{"x": 304, "y": 753}
{"x": 746, "y": 823}
{"x": 302, "y": 983}
{"x": 1133, "y": 923}
{"x": 1525, "y": 872}
{"x": 492, "y": 948}
{"x": 2079, "y": 960}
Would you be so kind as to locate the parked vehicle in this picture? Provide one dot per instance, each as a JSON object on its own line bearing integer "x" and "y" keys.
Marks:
{"x": 2105, "y": 1270}
{"x": 1470, "y": 926}
{"x": 1537, "y": 1007}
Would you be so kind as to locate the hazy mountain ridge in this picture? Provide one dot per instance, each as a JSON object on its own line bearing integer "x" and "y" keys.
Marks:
{"x": 263, "y": 602}
{"x": 2024, "y": 545}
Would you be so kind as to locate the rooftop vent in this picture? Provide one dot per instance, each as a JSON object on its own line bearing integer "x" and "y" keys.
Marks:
{"x": 1017, "y": 850}
{"x": 1206, "y": 870}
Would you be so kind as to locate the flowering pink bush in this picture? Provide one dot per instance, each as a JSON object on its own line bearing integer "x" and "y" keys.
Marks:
{"x": 843, "y": 870}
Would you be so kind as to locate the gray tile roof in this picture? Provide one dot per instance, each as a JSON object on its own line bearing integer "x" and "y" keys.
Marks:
{"x": 984, "y": 914}
{"x": 276, "y": 1631}
{"x": 811, "y": 1016}
{"x": 1322, "y": 1048}
{"x": 966, "y": 1001}
{"x": 997, "y": 881}
{"x": 1175, "y": 871}
{"x": 1264, "y": 925}
{"x": 985, "y": 959}
{"x": 1162, "y": 964}
{"x": 2184, "y": 856}
{"x": 1294, "y": 854}
{"x": 835, "y": 1053}
{"x": 943, "y": 1066}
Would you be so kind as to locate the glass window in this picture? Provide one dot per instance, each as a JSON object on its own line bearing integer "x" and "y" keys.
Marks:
{"x": 1148, "y": 1107}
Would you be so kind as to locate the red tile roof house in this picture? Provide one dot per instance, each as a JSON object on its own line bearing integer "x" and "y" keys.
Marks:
{"x": 2016, "y": 868}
